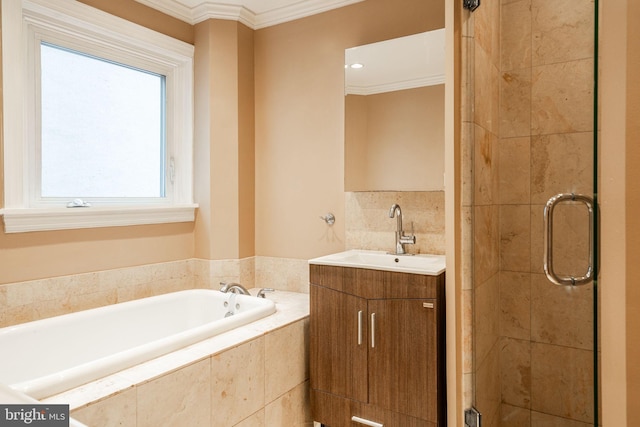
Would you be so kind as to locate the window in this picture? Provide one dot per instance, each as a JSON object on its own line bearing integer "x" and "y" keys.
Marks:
{"x": 102, "y": 128}
{"x": 99, "y": 112}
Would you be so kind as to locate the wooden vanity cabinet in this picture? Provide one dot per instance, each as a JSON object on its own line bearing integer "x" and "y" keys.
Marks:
{"x": 377, "y": 347}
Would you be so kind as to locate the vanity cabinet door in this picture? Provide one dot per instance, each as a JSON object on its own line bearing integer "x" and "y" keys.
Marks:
{"x": 338, "y": 331}
{"x": 403, "y": 351}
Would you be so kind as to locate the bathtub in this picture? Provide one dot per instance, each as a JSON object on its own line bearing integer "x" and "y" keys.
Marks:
{"x": 48, "y": 356}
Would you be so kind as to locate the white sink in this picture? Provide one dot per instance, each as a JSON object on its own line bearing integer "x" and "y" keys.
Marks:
{"x": 431, "y": 265}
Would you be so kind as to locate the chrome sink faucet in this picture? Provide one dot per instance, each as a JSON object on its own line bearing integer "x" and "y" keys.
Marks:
{"x": 401, "y": 238}
{"x": 234, "y": 288}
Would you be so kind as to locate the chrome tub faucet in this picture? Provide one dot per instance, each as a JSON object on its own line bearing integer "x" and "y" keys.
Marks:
{"x": 234, "y": 288}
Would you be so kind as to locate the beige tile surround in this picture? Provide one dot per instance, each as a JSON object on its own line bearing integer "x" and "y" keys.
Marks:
{"x": 38, "y": 299}
{"x": 368, "y": 226}
{"x": 241, "y": 378}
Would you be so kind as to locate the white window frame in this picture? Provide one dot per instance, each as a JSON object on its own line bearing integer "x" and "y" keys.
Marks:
{"x": 75, "y": 25}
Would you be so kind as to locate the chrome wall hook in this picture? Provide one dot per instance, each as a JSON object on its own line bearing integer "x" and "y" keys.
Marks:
{"x": 329, "y": 218}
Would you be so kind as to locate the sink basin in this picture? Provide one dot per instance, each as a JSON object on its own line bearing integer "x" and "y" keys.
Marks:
{"x": 378, "y": 260}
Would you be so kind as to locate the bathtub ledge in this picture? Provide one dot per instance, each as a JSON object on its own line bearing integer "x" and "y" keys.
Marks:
{"x": 290, "y": 308}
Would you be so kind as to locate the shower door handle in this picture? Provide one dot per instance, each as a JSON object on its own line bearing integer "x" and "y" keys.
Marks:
{"x": 548, "y": 240}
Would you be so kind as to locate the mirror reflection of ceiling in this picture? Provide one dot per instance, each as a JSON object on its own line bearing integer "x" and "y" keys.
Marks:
{"x": 253, "y": 13}
{"x": 402, "y": 63}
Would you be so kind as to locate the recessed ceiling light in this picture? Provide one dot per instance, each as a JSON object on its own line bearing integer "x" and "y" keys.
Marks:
{"x": 356, "y": 65}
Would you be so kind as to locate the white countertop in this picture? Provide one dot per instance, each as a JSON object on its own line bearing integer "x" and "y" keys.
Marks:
{"x": 425, "y": 264}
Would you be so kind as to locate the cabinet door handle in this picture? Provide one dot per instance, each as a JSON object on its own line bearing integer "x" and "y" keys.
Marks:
{"x": 366, "y": 422}
{"x": 373, "y": 330}
{"x": 360, "y": 327}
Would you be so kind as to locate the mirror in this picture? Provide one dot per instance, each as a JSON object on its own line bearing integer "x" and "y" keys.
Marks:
{"x": 394, "y": 114}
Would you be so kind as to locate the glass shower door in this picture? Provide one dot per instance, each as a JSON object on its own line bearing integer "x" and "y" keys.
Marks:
{"x": 530, "y": 138}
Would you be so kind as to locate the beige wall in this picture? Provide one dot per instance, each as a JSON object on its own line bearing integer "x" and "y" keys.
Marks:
{"x": 632, "y": 154}
{"x": 224, "y": 140}
{"x": 146, "y": 16}
{"x": 619, "y": 203}
{"x": 398, "y": 138}
{"x": 632, "y": 160}
{"x": 299, "y": 119}
{"x": 27, "y": 256}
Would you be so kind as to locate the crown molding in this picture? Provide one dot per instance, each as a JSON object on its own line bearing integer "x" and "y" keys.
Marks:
{"x": 212, "y": 10}
{"x": 394, "y": 86}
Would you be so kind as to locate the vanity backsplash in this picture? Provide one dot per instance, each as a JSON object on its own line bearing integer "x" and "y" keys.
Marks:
{"x": 368, "y": 226}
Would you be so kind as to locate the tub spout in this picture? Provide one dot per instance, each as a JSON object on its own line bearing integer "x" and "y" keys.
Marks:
{"x": 234, "y": 288}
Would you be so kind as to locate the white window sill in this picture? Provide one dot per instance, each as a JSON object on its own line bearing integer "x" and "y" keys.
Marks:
{"x": 47, "y": 219}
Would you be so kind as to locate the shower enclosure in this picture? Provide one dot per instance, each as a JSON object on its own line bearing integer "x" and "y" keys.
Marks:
{"x": 529, "y": 117}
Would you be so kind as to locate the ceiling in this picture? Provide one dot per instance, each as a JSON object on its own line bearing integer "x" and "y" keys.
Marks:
{"x": 397, "y": 64}
{"x": 253, "y": 13}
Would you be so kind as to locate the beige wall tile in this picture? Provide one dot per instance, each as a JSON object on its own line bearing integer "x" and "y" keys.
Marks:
{"x": 515, "y": 372}
{"x": 562, "y": 381}
{"x": 368, "y": 225}
{"x": 486, "y": 91}
{"x": 562, "y": 97}
{"x": 562, "y": 31}
{"x": 467, "y": 145}
{"x": 545, "y": 123}
{"x": 486, "y": 230}
{"x": 486, "y": 156}
{"x": 515, "y": 170}
{"x": 571, "y": 240}
{"x": 515, "y": 35}
{"x": 515, "y": 103}
{"x": 282, "y": 273}
{"x": 545, "y": 420}
{"x": 466, "y": 243}
{"x": 290, "y": 410}
{"x": 248, "y": 272}
{"x": 487, "y": 319}
{"x": 37, "y": 299}
{"x": 515, "y": 305}
{"x": 561, "y": 163}
{"x": 515, "y": 238}
{"x": 223, "y": 270}
{"x": 512, "y": 416}
{"x": 467, "y": 79}
{"x": 118, "y": 410}
{"x": 237, "y": 383}
{"x": 286, "y": 351}
{"x": 467, "y": 331}
{"x": 468, "y": 390}
{"x": 255, "y": 420}
{"x": 561, "y": 315}
{"x": 187, "y": 403}
{"x": 537, "y": 238}
{"x": 486, "y": 29}
{"x": 488, "y": 387}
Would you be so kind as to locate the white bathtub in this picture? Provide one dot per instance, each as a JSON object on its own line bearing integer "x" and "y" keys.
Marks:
{"x": 48, "y": 356}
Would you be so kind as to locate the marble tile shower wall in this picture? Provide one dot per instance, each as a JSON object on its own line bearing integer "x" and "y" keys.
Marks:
{"x": 526, "y": 135}
{"x": 545, "y": 148}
